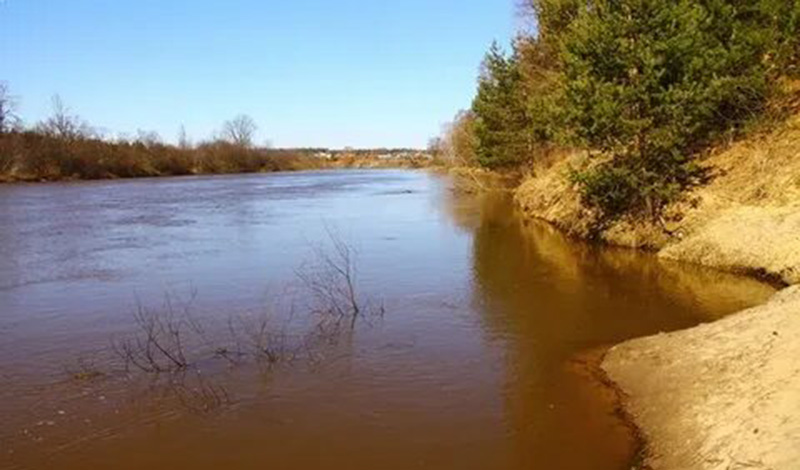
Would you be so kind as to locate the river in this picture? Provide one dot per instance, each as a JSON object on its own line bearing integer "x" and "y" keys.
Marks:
{"x": 473, "y": 364}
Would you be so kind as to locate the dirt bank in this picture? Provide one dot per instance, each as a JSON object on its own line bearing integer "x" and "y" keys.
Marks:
{"x": 725, "y": 395}
{"x": 747, "y": 219}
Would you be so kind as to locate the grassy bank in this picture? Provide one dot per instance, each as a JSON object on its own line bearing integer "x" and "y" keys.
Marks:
{"x": 745, "y": 219}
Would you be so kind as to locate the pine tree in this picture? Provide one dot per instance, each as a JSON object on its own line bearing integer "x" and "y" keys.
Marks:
{"x": 502, "y": 124}
{"x": 650, "y": 82}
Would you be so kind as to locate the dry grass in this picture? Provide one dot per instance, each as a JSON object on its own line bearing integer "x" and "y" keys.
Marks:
{"x": 763, "y": 170}
{"x": 748, "y": 218}
{"x": 745, "y": 219}
{"x": 547, "y": 194}
{"x": 474, "y": 180}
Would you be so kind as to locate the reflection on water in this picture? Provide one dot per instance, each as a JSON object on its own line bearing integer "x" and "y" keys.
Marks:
{"x": 469, "y": 369}
{"x": 546, "y": 297}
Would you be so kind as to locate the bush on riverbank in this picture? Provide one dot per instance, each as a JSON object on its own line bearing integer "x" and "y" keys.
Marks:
{"x": 645, "y": 86}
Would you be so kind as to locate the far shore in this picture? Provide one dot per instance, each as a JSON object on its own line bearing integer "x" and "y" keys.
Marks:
{"x": 38, "y": 155}
{"x": 356, "y": 164}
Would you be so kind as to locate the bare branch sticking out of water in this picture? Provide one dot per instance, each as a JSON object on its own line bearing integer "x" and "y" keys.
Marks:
{"x": 331, "y": 280}
{"x": 158, "y": 344}
{"x": 199, "y": 395}
{"x": 171, "y": 344}
{"x": 262, "y": 339}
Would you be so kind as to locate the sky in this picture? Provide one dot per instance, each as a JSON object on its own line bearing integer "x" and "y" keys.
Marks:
{"x": 312, "y": 73}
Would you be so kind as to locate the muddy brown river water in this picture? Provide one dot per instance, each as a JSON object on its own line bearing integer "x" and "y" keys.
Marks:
{"x": 471, "y": 367}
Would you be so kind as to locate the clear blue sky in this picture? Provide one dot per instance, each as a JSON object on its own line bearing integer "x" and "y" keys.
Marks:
{"x": 311, "y": 72}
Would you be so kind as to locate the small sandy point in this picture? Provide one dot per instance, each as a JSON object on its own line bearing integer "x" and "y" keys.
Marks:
{"x": 724, "y": 395}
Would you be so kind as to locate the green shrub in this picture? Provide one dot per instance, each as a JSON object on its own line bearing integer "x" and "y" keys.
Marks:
{"x": 609, "y": 187}
{"x": 616, "y": 187}
{"x": 783, "y": 27}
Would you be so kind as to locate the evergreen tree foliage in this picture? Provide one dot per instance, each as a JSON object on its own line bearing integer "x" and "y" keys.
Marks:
{"x": 650, "y": 82}
{"x": 501, "y": 124}
{"x": 646, "y": 84}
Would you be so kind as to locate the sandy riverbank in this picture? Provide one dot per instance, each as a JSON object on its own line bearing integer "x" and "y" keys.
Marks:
{"x": 725, "y": 395}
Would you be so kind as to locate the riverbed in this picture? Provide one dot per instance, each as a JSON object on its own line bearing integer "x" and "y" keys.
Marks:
{"x": 470, "y": 364}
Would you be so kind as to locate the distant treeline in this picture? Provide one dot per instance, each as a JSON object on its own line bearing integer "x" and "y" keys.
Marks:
{"x": 66, "y": 147}
{"x": 644, "y": 85}
{"x": 33, "y": 156}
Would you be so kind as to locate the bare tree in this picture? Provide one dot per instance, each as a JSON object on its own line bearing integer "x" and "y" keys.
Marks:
{"x": 458, "y": 141}
{"x": 149, "y": 138}
{"x": 8, "y": 109}
{"x": 183, "y": 139}
{"x": 435, "y": 146}
{"x": 240, "y": 130}
{"x": 63, "y": 124}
